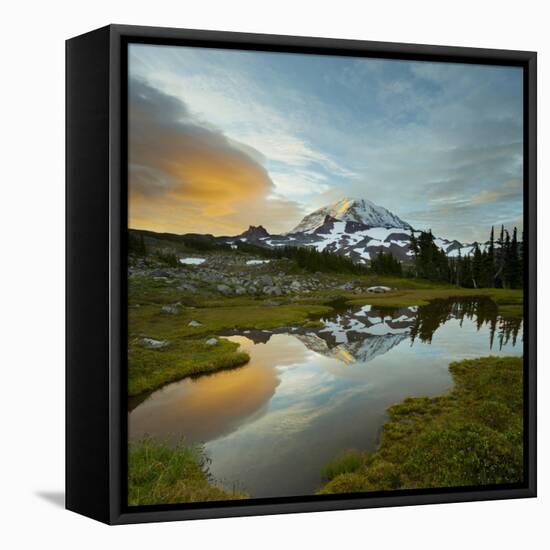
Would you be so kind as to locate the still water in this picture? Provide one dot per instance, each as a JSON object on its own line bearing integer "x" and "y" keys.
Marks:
{"x": 307, "y": 395}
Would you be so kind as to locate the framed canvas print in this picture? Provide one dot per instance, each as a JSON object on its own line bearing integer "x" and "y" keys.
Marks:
{"x": 300, "y": 274}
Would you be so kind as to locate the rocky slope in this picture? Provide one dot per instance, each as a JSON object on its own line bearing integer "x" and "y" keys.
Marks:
{"x": 227, "y": 274}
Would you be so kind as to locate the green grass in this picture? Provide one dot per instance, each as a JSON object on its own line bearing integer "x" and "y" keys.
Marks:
{"x": 147, "y": 290}
{"x": 471, "y": 436}
{"x": 511, "y": 310}
{"x": 347, "y": 462}
{"x": 152, "y": 322}
{"x": 422, "y": 296}
{"x": 149, "y": 369}
{"x": 159, "y": 474}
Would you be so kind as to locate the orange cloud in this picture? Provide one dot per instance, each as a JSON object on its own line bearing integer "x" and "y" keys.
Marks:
{"x": 187, "y": 177}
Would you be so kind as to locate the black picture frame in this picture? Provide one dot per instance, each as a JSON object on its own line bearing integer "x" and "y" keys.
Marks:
{"x": 96, "y": 300}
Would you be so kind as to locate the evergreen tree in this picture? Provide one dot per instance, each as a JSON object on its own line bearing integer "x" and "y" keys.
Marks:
{"x": 136, "y": 244}
{"x": 142, "y": 248}
{"x": 489, "y": 275}
{"x": 386, "y": 264}
{"x": 430, "y": 262}
{"x": 506, "y": 261}
{"x": 521, "y": 260}
{"x": 466, "y": 272}
{"x": 477, "y": 267}
{"x": 513, "y": 262}
{"x": 415, "y": 250}
{"x": 499, "y": 259}
{"x": 454, "y": 268}
{"x": 425, "y": 257}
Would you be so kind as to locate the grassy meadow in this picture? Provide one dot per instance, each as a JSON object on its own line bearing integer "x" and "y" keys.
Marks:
{"x": 160, "y": 474}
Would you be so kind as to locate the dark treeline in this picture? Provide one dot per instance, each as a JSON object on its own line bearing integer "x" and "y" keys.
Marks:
{"x": 499, "y": 265}
{"x": 386, "y": 264}
{"x": 202, "y": 242}
{"x": 307, "y": 258}
{"x": 136, "y": 244}
{"x": 137, "y": 240}
{"x": 137, "y": 247}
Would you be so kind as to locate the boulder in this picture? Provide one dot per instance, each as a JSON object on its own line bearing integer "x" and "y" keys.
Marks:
{"x": 194, "y": 323}
{"x": 187, "y": 286}
{"x": 265, "y": 280}
{"x": 272, "y": 290}
{"x": 211, "y": 342}
{"x": 378, "y": 289}
{"x": 160, "y": 273}
{"x": 154, "y": 344}
{"x": 169, "y": 309}
{"x": 295, "y": 286}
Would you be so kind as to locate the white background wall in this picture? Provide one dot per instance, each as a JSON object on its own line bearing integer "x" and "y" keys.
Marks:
{"x": 32, "y": 272}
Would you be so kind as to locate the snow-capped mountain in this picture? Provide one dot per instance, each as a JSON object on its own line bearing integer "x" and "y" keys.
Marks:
{"x": 360, "y": 211}
{"x": 356, "y": 228}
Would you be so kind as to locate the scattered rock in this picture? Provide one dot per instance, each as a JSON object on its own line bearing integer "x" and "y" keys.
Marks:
{"x": 272, "y": 290}
{"x": 265, "y": 280}
{"x": 295, "y": 286}
{"x": 169, "y": 309}
{"x": 224, "y": 289}
{"x": 378, "y": 289}
{"x": 211, "y": 341}
{"x": 187, "y": 286}
{"x": 160, "y": 273}
{"x": 194, "y": 323}
{"x": 154, "y": 344}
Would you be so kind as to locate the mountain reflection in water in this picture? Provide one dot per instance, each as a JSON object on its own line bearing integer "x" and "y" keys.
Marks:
{"x": 363, "y": 333}
{"x": 308, "y": 394}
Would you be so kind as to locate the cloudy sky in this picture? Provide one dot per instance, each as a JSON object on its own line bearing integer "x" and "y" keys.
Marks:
{"x": 220, "y": 140}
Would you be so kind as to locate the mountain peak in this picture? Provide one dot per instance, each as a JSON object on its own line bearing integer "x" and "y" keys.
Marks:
{"x": 349, "y": 209}
{"x": 255, "y": 232}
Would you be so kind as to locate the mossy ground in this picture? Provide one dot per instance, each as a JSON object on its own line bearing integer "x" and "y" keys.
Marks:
{"x": 472, "y": 436}
{"x": 511, "y": 311}
{"x": 160, "y": 474}
{"x": 149, "y": 369}
{"x": 404, "y": 297}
